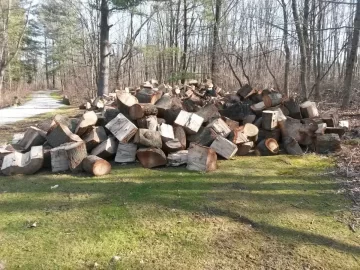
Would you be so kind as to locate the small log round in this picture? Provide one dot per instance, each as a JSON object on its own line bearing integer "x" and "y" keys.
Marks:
{"x": 140, "y": 110}
{"x": 96, "y": 166}
{"x": 272, "y": 99}
{"x": 251, "y": 131}
{"x": 268, "y": 147}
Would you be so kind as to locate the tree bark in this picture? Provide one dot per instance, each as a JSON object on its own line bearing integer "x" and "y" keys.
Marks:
{"x": 351, "y": 59}
{"x": 215, "y": 53}
{"x": 103, "y": 84}
{"x": 303, "y": 62}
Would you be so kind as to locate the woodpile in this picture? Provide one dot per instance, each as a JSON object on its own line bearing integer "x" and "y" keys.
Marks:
{"x": 193, "y": 125}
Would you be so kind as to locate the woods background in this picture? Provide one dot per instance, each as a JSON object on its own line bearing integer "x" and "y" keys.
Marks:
{"x": 306, "y": 48}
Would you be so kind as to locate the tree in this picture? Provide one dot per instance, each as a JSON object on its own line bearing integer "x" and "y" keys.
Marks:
{"x": 302, "y": 45}
{"x": 106, "y": 8}
{"x": 351, "y": 58}
{"x": 11, "y": 34}
{"x": 215, "y": 63}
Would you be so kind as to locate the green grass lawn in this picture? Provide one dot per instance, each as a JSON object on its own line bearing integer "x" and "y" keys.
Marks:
{"x": 253, "y": 213}
{"x": 277, "y": 212}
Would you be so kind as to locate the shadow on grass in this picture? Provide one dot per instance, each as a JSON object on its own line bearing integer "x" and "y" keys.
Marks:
{"x": 253, "y": 195}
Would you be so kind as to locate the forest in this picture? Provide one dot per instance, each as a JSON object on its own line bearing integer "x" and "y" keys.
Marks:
{"x": 303, "y": 48}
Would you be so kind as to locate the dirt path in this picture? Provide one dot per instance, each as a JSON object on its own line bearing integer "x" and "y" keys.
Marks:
{"x": 41, "y": 102}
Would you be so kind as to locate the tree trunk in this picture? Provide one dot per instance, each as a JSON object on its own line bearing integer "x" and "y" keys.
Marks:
{"x": 103, "y": 85}
{"x": 303, "y": 64}
{"x": 351, "y": 59}
{"x": 215, "y": 53}
{"x": 287, "y": 50}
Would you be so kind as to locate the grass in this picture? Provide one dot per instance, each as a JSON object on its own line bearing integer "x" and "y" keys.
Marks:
{"x": 56, "y": 95}
{"x": 277, "y": 212}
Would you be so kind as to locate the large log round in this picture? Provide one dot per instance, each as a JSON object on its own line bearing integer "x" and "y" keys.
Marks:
{"x": 151, "y": 157}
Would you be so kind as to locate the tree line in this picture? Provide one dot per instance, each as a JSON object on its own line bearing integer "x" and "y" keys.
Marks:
{"x": 92, "y": 47}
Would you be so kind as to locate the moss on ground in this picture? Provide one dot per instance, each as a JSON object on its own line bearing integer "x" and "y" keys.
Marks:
{"x": 277, "y": 212}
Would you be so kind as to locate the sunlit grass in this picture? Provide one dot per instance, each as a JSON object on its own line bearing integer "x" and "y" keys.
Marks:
{"x": 254, "y": 212}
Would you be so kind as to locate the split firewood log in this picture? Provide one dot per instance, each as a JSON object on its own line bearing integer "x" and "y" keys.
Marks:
{"x": 250, "y": 119}
{"x": 126, "y": 153}
{"x": 172, "y": 146}
{"x": 106, "y": 149}
{"x": 125, "y": 101}
{"x": 178, "y": 158}
{"x": 328, "y": 143}
{"x": 304, "y": 134}
{"x": 109, "y": 113}
{"x": 258, "y": 107}
{"x": 335, "y": 130}
{"x": 122, "y": 128}
{"x": 60, "y": 134}
{"x": 140, "y": 110}
{"x": 4, "y": 152}
{"x": 292, "y": 147}
{"x": 94, "y": 137}
{"x": 151, "y": 157}
{"x": 32, "y": 137}
{"x": 237, "y": 111}
{"x": 309, "y": 109}
{"x": 293, "y": 108}
{"x": 201, "y": 158}
{"x": 268, "y": 147}
{"x": 96, "y": 166}
{"x": 224, "y": 147}
{"x": 75, "y": 154}
{"x": 190, "y": 106}
{"x": 46, "y": 125}
{"x": 148, "y": 138}
{"x": 244, "y": 148}
{"x": 331, "y": 118}
{"x": 220, "y": 127}
{"x": 147, "y": 95}
{"x": 204, "y": 137}
{"x": 167, "y": 102}
{"x": 237, "y": 136}
{"x": 27, "y": 163}
{"x": 149, "y": 122}
{"x": 269, "y": 120}
{"x": 245, "y": 91}
{"x": 231, "y": 123}
{"x": 179, "y": 134}
{"x": 86, "y": 122}
{"x": 59, "y": 160}
{"x": 209, "y": 113}
{"x": 191, "y": 122}
{"x": 166, "y": 132}
{"x": 251, "y": 132}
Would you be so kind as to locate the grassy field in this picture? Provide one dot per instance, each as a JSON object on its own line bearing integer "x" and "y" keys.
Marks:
{"x": 253, "y": 213}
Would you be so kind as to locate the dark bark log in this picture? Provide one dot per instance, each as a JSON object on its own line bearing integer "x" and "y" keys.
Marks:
{"x": 268, "y": 147}
{"x": 328, "y": 143}
{"x": 293, "y": 107}
{"x": 204, "y": 137}
{"x": 292, "y": 147}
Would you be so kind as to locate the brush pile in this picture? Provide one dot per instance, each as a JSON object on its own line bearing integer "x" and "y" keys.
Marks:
{"x": 159, "y": 125}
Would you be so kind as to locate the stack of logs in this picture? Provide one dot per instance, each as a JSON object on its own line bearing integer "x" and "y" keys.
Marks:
{"x": 160, "y": 125}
